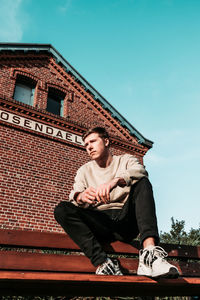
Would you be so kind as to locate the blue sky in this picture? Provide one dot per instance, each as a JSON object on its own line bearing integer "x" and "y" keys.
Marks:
{"x": 143, "y": 56}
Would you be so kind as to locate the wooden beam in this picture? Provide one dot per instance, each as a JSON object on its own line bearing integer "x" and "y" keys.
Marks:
{"x": 62, "y": 241}
{"x": 16, "y": 260}
{"x": 49, "y": 283}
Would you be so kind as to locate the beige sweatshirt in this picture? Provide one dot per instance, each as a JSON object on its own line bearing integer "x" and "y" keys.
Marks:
{"x": 91, "y": 175}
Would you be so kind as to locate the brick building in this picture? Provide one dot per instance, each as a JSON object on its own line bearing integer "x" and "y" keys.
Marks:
{"x": 45, "y": 106}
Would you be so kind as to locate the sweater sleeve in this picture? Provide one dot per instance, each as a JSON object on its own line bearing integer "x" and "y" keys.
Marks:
{"x": 79, "y": 185}
{"x": 133, "y": 170}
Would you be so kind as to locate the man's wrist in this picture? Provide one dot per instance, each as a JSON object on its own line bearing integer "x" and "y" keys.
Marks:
{"x": 79, "y": 198}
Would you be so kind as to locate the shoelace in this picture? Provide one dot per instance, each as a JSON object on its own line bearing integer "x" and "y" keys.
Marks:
{"x": 106, "y": 268}
{"x": 117, "y": 268}
{"x": 153, "y": 254}
{"x": 109, "y": 268}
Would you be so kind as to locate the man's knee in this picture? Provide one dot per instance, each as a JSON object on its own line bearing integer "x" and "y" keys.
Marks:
{"x": 62, "y": 210}
{"x": 59, "y": 210}
{"x": 141, "y": 188}
{"x": 144, "y": 183}
{"x": 144, "y": 180}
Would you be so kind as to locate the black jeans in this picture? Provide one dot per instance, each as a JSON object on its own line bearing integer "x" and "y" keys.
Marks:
{"x": 90, "y": 228}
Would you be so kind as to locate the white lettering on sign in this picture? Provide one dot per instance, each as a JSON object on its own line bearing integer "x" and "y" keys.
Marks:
{"x": 39, "y": 127}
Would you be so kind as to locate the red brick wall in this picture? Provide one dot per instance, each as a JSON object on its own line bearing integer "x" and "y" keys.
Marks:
{"x": 37, "y": 172}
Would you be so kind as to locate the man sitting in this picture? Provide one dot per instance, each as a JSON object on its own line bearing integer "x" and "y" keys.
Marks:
{"x": 112, "y": 199}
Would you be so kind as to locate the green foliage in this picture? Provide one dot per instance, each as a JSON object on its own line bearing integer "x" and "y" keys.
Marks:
{"x": 178, "y": 235}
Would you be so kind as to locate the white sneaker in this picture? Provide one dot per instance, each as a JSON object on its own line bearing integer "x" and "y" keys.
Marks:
{"x": 109, "y": 267}
{"x": 152, "y": 263}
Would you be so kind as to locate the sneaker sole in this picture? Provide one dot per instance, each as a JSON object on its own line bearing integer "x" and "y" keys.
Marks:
{"x": 172, "y": 274}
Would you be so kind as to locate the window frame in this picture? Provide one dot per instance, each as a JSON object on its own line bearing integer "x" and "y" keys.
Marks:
{"x": 58, "y": 97}
{"x": 23, "y": 83}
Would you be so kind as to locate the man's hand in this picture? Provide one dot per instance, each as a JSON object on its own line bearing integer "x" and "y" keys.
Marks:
{"x": 103, "y": 190}
{"x": 101, "y": 194}
{"x": 88, "y": 196}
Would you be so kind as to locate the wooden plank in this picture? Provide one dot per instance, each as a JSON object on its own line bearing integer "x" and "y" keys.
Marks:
{"x": 13, "y": 260}
{"x": 173, "y": 250}
{"x": 36, "y": 239}
{"x": 92, "y": 277}
{"x": 63, "y": 241}
{"x": 55, "y": 240}
{"x": 48, "y": 283}
{"x": 182, "y": 251}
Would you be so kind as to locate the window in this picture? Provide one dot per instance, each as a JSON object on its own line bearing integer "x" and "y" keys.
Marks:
{"x": 55, "y": 102}
{"x": 24, "y": 91}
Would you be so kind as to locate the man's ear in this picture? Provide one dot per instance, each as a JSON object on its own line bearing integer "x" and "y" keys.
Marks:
{"x": 107, "y": 142}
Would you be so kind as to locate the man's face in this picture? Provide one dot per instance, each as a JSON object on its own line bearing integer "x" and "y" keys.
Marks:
{"x": 96, "y": 146}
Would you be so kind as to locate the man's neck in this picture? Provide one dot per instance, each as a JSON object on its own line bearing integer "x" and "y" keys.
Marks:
{"x": 105, "y": 161}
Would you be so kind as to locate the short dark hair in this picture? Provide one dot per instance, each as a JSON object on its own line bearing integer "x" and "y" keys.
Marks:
{"x": 100, "y": 130}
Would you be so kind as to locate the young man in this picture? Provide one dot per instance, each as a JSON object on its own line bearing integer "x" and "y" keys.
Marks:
{"x": 112, "y": 199}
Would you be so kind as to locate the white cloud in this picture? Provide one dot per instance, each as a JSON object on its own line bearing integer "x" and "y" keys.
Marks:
{"x": 11, "y": 29}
